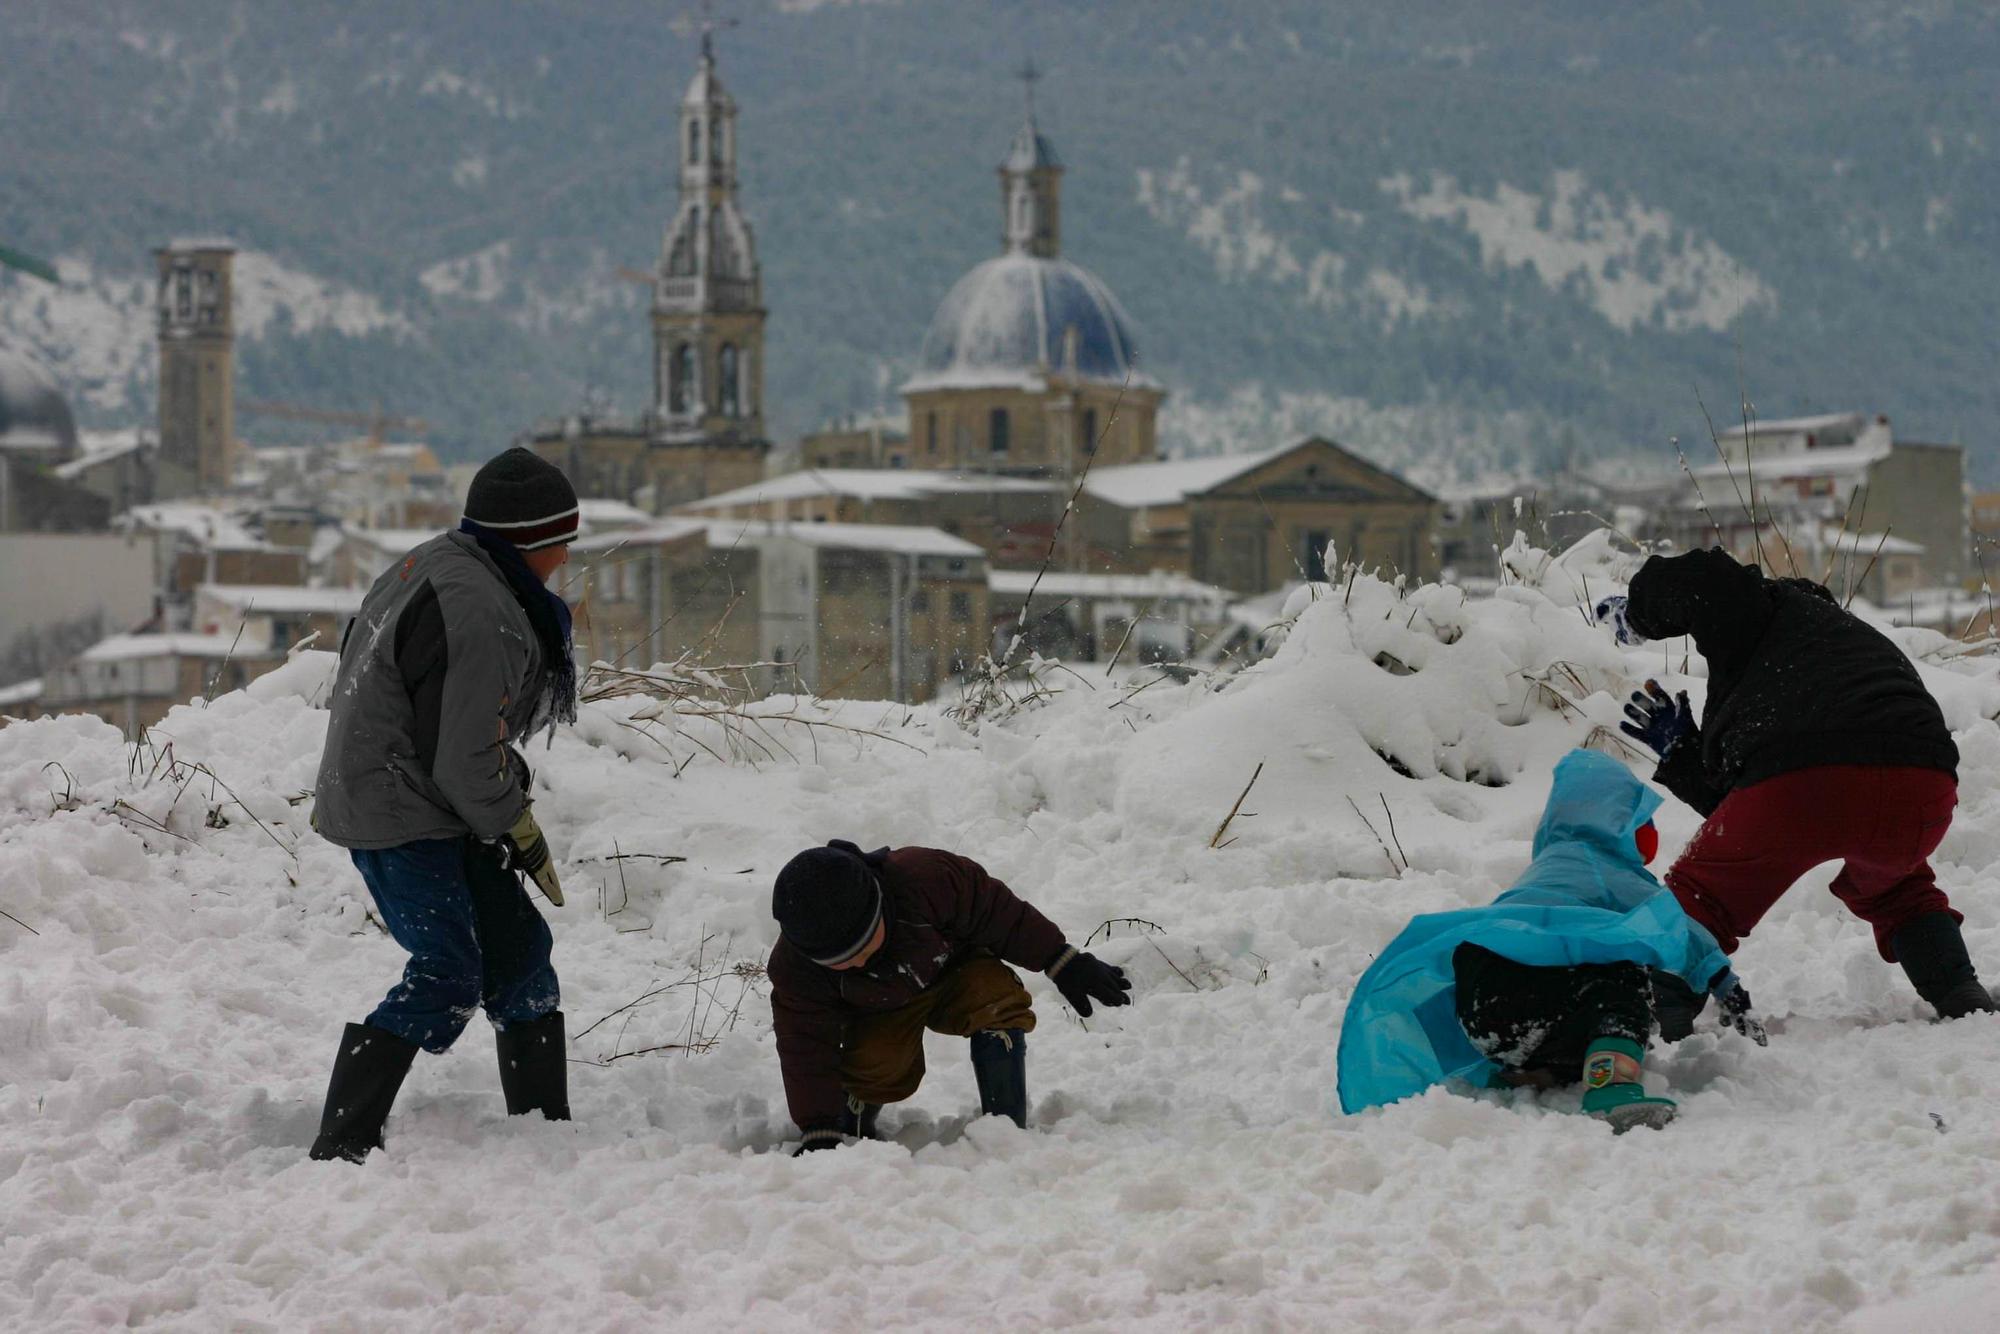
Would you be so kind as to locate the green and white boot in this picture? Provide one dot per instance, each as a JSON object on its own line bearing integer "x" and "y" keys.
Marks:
{"x": 1612, "y": 1091}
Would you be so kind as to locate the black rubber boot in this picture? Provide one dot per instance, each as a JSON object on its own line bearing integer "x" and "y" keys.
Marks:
{"x": 534, "y": 1067}
{"x": 1000, "y": 1064}
{"x": 859, "y": 1118}
{"x": 367, "y": 1074}
{"x": 1932, "y": 951}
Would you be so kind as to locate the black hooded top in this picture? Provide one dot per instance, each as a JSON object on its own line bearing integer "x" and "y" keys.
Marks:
{"x": 1794, "y": 680}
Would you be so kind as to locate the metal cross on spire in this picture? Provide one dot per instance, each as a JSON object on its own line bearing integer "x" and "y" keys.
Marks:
{"x": 1029, "y": 74}
{"x": 707, "y": 24}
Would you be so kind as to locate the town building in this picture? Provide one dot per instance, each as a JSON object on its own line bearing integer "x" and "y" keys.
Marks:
{"x": 38, "y": 440}
{"x": 275, "y": 617}
{"x": 1250, "y": 522}
{"x": 872, "y": 443}
{"x": 132, "y": 680}
{"x": 1010, "y": 518}
{"x": 1030, "y": 366}
{"x": 1825, "y": 488}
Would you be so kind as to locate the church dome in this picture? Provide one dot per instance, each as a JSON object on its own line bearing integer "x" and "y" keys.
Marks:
{"x": 1008, "y": 322}
{"x": 33, "y": 412}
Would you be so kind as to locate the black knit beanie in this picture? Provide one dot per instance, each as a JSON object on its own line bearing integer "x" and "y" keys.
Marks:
{"x": 525, "y": 499}
{"x": 828, "y": 901}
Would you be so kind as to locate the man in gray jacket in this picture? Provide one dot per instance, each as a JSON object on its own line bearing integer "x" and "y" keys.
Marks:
{"x": 459, "y": 651}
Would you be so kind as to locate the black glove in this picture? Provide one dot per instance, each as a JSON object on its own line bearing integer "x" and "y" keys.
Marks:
{"x": 1735, "y": 1007}
{"x": 1660, "y": 720}
{"x": 1083, "y": 978}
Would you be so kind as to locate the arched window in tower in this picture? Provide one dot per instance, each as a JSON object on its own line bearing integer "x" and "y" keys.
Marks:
{"x": 1090, "y": 430}
{"x": 680, "y": 377}
{"x": 930, "y": 433}
{"x": 726, "y": 361}
{"x": 694, "y": 142}
{"x": 715, "y": 143}
{"x": 996, "y": 431}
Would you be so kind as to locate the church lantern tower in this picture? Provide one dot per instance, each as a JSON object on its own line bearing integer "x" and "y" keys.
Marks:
{"x": 708, "y": 298}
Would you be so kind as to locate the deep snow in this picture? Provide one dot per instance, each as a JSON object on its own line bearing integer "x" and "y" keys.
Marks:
{"x": 165, "y": 1039}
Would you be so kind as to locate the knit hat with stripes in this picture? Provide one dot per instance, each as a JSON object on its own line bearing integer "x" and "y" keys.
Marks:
{"x": 524, "y": 499}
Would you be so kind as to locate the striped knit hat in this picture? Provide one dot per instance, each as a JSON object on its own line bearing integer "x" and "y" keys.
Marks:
{"x": 520, "y": 497}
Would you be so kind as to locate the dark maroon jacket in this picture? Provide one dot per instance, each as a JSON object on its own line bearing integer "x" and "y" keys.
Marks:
{"x": 940, "y": 909}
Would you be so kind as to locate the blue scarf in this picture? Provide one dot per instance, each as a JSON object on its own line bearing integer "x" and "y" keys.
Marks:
{"x": 548, "y": 614}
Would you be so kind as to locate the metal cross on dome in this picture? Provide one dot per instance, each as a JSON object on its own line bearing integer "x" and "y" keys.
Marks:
{"x": 1029, "y": 74}
{"x": 707, "y": 24}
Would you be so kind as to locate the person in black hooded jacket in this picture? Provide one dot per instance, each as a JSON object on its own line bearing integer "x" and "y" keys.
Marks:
{"x": 1818, "y": 742}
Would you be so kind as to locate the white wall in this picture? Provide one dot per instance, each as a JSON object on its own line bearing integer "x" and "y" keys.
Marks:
{"x": 47, "y": 579}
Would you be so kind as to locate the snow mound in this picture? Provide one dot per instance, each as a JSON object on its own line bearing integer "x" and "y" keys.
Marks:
{"x": 165, "y": 1035}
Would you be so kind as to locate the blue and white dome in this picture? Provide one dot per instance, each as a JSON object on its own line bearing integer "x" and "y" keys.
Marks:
{"x": 1009, "y": 322}
{"x": 33, "y": 413}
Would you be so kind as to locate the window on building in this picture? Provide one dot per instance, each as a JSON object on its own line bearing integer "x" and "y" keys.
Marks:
{"x": 920, "y": 602}
{"x": 1090, "y": 430}
{"x": 1312, "y": 554}
{"x": 961, "y": 607}
{"x": 680, "y": 377}
{"x": 715, "y": 144}
{"x": 727, "y": 366}
{"x": 694, "y": 142}
{"x": 930, "y": 433}
{"x": 996, "y": 431}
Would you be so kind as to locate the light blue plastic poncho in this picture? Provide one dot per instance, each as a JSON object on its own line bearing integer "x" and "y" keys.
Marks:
{"x": 1586, "y": 898}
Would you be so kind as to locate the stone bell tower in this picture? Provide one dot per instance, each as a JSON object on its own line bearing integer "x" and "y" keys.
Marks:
{"x": 708, "y": 299}
{"x": 197, "y": 336}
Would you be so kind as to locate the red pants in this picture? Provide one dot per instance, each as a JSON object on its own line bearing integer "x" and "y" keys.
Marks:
{"x": 1884, "y": 823}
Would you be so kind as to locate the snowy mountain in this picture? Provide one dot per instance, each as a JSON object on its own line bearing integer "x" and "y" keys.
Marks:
{"x": 1462, "y": 238}
{"x": 164, "y": 1037}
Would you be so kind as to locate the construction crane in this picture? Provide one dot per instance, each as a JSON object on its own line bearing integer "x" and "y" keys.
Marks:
{"x": 376, "y": 423}
{"x": 11, "y": 258}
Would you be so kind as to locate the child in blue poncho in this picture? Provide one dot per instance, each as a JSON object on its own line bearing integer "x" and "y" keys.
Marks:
{"x": 1552, "y": 981}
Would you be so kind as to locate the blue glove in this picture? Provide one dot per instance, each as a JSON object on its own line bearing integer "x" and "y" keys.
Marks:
{"x": 1611, "y": 611}
{"x": 1660, "y": 720}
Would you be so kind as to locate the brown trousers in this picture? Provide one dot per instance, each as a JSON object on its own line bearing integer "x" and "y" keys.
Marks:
{"x": 883, "y": 1060}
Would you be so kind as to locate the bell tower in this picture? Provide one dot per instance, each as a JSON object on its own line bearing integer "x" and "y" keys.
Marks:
{"x": 197, "y": 337}
{"x": 708, "y": 297}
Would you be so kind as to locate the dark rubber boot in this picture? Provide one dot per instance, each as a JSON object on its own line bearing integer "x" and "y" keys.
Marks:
{"x": 859, "y": 1118}
{"x": 1932, "y": 951}
{"x": 367, "y": 1074}
{"x": 1000, "y": 1064}
{"x": 534, "y": 1067}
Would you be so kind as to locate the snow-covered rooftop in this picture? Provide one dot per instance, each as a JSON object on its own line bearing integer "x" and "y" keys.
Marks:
{"x": 1868, "y": 543}
{"x": 284, "y": 598}
{"x": 862, "y": 484}
{"x": 391, "y": 539}
{"x": 21, "y": 692}
{"x": 646, "y": 534}
{"x": 101, "y": 447}
{"x": 599, "y": 512}
{"x": 207, "y": 525}
{"x": 1796, "y": 425}
{"x": 1812, "y": 463}
{"x": 903, "y": 539}
{"x": 1141, "y": 485}
{"x": 126, "y": 648}
{"x": 1160, "y": 585}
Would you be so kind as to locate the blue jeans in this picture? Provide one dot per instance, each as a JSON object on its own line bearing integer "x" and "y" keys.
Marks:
{"x": 474, "y": 937}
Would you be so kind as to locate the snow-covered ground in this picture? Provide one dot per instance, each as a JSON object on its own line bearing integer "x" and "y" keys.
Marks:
{"x": 165, "y": 1039}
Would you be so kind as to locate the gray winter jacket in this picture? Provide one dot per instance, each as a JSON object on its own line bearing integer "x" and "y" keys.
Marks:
{"x": 439, "y": 672}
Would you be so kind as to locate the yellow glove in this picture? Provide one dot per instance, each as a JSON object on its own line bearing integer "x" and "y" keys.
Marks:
{"x": 531, "y": 854}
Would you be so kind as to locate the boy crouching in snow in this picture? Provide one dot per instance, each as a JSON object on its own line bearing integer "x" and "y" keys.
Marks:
{"x": 876, "y": 947}
{"x": 1552, "y": 981}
